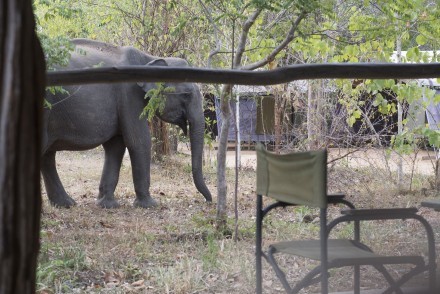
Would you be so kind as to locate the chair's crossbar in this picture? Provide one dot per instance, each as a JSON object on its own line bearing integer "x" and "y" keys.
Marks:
{"x": 387, "y": 213}
{"x": 366, "y": 217}
{"x": 432, "y": 203}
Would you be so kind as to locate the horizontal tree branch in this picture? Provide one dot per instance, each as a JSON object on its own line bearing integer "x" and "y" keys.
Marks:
{"x": 242, "y": 77}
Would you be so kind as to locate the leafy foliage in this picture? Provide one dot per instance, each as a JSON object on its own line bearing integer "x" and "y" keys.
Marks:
{"x": 156, "y": 100}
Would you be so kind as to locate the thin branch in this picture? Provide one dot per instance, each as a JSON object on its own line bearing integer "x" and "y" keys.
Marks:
{"x": 343, "y": 156}
{"x": 244, "y": 36}
{"x": 216, "y": 30}
{"x": 289, "y": 37}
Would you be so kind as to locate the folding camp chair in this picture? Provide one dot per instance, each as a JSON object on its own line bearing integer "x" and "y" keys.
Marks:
{"x": 301, "y": 179}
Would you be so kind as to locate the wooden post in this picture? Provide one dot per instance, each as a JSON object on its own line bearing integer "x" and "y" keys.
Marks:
{"x": 22, "y": 75}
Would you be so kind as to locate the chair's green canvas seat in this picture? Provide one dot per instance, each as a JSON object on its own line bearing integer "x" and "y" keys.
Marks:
{"x": 342, "y": 252}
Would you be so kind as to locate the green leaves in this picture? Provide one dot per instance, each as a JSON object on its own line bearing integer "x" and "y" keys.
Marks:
{"x": 156, "y": 100}
{"x": 57, "y": 50}
{"x": 421, "y": 40}
{"x": 356, "y": 114}
{"x": 433, "y": 136}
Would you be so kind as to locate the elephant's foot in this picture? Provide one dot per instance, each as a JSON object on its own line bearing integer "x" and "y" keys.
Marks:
{"x": 146, "y": 202}
{"x": 65, "y": 202}
{"x": 105, "y": 202}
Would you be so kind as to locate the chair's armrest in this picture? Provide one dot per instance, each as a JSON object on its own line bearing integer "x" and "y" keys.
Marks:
{"x": 380, "y": 213}
{"x": 335, "y": 197}
{"x": 275, "y": 205}
{"x": 432, "y": 203}
{"x": 339, "y": 198}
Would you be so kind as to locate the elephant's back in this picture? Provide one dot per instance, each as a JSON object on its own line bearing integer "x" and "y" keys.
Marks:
{"x": 91, "y": 53}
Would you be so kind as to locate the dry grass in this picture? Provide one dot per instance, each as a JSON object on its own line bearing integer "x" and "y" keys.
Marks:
{"x": 174, "y": 248}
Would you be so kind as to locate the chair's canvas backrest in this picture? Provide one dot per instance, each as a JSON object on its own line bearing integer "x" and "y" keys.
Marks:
{"x": 295, "y": 178}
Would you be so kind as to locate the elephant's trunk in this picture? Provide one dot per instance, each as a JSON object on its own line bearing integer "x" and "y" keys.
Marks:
{"x": 196, "y": 135}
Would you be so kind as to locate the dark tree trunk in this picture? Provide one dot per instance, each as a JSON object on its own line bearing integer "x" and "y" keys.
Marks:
{"x": 163, "y": 141}
{"x": 159, "y": 136}
{"x": 22, "y": 73}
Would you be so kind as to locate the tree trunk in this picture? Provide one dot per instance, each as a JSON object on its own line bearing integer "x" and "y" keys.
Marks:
{"x": 222, "y": 185}
{"x": 399, "y": 120}
{"x": 161, "y": 139}
{"x": 280, "y": 93}
{"x": 311, "y": 132}
{"x": 22, "y": 73}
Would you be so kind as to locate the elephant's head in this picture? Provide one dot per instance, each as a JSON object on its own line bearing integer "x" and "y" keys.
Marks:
{"x": 183, "y": 107}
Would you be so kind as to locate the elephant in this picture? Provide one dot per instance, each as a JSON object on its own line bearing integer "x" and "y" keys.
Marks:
{"x": 86, "y": 116}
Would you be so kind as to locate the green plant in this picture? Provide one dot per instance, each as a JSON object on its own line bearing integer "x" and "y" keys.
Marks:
{"x": 208, "y": 137}
{"x": 187, "y": 168}
{"x": 345, "y": 231}
{"x": 132, "y": 272}
{"x": 57, "y": 264}
{"x": 202, "y": 221}
{"x": 211, "y": 252}
{"x": 156, "y": 100}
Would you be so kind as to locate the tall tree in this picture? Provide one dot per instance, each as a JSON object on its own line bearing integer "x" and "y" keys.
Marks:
{"x": 259, "y": 43}
{"x": 22, "y": 73}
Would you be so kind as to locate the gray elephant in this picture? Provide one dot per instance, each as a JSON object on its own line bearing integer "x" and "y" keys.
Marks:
{"x": 108, "y": 115}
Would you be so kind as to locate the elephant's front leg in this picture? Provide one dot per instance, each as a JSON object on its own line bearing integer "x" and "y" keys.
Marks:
{"x": 55, "y": 190}
{"x": 140, "y": 156}
{"x": 114, "y": 152}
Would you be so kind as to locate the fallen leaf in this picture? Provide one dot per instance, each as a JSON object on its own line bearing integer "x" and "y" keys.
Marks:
{"x": 138, "y": 283}
{"x": 106, "y": 225}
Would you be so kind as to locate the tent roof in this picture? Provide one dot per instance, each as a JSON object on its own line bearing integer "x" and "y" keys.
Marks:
{"x": 243, "y": 90}
{"x": 430, "y": 82}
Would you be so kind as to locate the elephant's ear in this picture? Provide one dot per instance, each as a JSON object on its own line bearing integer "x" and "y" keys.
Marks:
{"x": 156, "y": 62}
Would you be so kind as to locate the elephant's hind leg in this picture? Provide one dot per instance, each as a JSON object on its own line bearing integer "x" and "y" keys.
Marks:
{"x": 55, "y": 190}
{"x": 114, "y": 152}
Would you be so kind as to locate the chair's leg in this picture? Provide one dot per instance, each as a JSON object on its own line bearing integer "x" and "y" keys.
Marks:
{"x": 324, "y": 250}
{"x": 357, "y": 280}
{"x": 393, "y": 284}
{"x": 396, "y": 285}
{"x": 431, "y": 252}
{"x": 280, "y": 274}
{"x": 431, "y": 267}
{"x": 258, "y": 249}
{"x": 310, "y": 279}
{"x": 357, "y": 269}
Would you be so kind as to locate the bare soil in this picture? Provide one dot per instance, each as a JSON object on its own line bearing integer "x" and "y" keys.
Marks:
{"x": 174, "y": 248}
{"x": 423, "y": 162}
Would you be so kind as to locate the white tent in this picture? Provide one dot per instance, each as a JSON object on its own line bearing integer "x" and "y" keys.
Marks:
{"x": 433, "y": 109}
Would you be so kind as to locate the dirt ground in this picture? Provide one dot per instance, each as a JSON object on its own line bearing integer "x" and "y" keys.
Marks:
{"x": 174, "y": 248}
{"x": 421, "y": 163}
